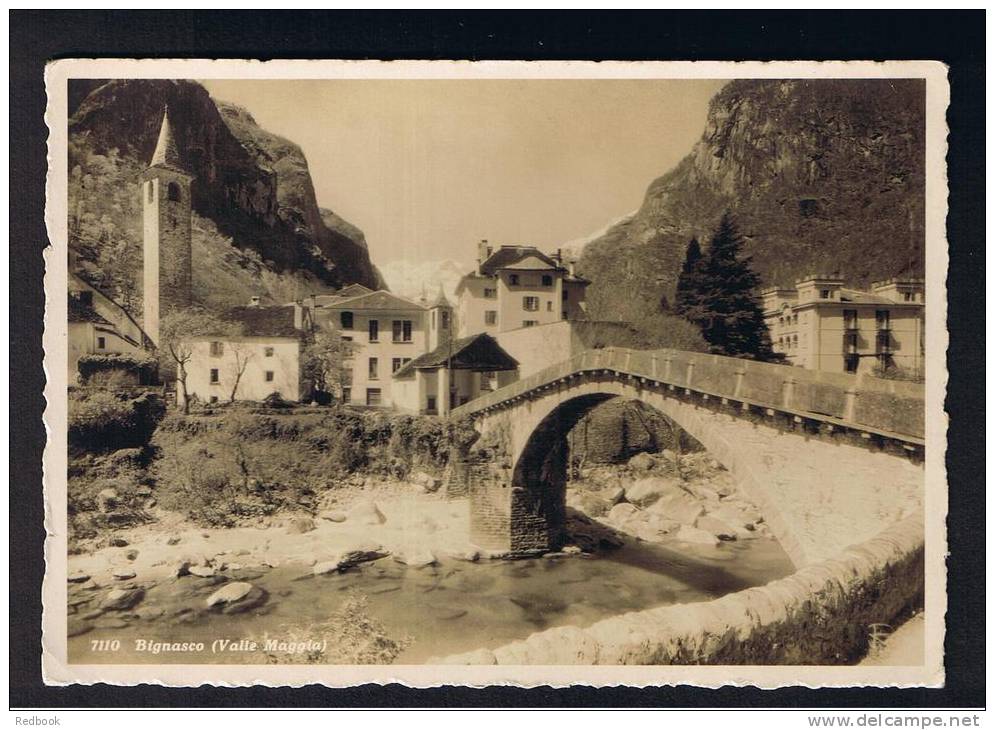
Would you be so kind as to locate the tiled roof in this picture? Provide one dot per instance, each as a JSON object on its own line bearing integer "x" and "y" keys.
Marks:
{"x": 353, "y": 290}
{"x": 477, "y": 352}
{"x": 512, "y": 257}
{"x": 80, "y": 311}
{"x": 264, "y": 321}
{"x": 377, "y": 300}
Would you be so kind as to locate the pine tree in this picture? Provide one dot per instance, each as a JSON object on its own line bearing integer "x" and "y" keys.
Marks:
{"x": 723, "y": 298}
{"x": 689, "y": 281}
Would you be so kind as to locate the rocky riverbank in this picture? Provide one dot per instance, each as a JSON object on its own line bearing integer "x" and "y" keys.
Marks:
{"x": 172, "y": 572}
{"x": 668, "y": 497}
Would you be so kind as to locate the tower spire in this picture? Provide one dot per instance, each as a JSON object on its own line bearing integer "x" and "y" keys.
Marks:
{"x": 166, "y": 152}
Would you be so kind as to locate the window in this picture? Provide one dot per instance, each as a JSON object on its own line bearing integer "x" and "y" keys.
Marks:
{"x": 794, "y": 341}
{"x": 346, "y": 395}
{"x": 214, "y": 375}
{"x": 395, "y": 364}
{"x": 529, "y": 323}
{"x": 547, "y": 280}
{"x": 401, "y": 330}
{"x": 563, "y": 314}
{"x": 373, "y": 396}
{"x": 151, "y": 194}
{"x": 490, "y": 293}
{"x": 430, "y": 404}
{"x": 173, "y": 192}
{"x": 269, "y": 376}
{"x": 345, "y": 318}
{"x": 374, "y": 330}
{"x": 566, "y": 294}
{"x": 513, "y": 279}
{"x": 101, "y": 343}
{"x": 217, "y": 349}
{"x": 268, "y": 351}
{"x": 214, "y": 399}
{"x": 824, "y": 294}
{"x": 374, "y": 369}
{"x": 850, "y": 319}
{"x": 907, "y": 296}
{"x": 445, "y": 319}
{"x": 530, "y": 304}
{"x": 850, "y": 363}
{"x": 794, "y": 319}
{"x": 883, "y": 319}
{"x": 549, "y": 306}
{"x": 490, "y": 316}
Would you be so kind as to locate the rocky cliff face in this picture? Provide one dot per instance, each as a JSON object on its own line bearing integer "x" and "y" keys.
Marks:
{"x": 821, "y": 176}
{"x": 253, "y": 186}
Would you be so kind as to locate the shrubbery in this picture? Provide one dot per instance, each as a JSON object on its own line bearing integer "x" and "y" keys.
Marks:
{"x": 243, "y": 462}
{"x": 106, "y": 420}
{"x": 106, "y": 368}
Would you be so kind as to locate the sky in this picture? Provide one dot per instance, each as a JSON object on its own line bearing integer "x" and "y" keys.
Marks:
{"x": 426, "y": 168}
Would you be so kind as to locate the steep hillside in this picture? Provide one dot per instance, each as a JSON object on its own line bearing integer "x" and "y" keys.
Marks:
{"x": 822, "y": 176}
{"x": 255, "y": 210}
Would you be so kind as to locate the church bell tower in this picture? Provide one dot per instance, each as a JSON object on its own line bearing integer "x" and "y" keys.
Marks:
{"x": 167, "y": 247}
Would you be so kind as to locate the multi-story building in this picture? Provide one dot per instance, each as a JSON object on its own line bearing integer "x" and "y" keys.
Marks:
{"x": 387, "y": 331}
{"x": 515, "y": 287}
{"x": 822, "y": 325}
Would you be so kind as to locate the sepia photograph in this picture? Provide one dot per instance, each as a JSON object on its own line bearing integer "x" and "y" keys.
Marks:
{"x": 496, "y": 372}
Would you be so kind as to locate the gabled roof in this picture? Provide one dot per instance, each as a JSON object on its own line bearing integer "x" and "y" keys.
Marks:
{"x": 80, "y": 311}
{"x": 375, "y": 300}
{"x": 353, "y": 290}
{"x": 167, "y": 154}
{"x": 479, "y": 352}
{"x": 518, "y": 257}
{"x": 264, "y": 321}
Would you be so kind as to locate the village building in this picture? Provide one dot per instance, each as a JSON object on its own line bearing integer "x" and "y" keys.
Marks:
{"x": 263, "y": 358}
{"x": 515, "y": 287}
{"x": 385, "y": 332}
{"x": 820, "y": 324}
{"x": 452, "y": 374}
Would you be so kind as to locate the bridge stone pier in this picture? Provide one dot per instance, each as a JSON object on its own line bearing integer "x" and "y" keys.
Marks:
{"x": 829, "y": 459}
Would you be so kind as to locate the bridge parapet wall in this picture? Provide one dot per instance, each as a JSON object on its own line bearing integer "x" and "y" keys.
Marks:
{"x": 892, "y": 408}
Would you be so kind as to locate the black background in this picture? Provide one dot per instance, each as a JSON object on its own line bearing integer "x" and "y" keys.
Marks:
{"x": 955, "y": 37}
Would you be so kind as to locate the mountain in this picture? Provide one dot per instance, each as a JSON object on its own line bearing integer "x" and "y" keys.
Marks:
{"x": 257, "y": 223}
{"x": 821, "y": 176}
{"x": 412, "y": 279}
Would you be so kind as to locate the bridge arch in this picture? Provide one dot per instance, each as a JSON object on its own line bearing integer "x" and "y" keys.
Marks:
{"x": 818, "y": 493}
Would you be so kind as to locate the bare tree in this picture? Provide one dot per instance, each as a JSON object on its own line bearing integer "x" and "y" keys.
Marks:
{"x": 242, "y": 354}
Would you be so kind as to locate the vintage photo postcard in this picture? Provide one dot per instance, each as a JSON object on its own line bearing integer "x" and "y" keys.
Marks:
{"x": 483, "y": 373}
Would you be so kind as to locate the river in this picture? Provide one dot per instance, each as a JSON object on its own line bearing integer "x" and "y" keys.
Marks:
{"x": 443, "y": 609}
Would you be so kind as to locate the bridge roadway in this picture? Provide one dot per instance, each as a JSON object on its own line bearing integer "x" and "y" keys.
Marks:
{"x": 830, "y": 459}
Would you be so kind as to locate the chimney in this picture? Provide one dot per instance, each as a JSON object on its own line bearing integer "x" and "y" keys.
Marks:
{"x": 572, "y": 266}
{"x": 558, "y": 256}
{"x": 254, "y": 301}
{"x": 483, "y": 253}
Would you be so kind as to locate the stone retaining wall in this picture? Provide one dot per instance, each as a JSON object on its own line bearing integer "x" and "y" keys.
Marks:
{"x": 820, "y": 615}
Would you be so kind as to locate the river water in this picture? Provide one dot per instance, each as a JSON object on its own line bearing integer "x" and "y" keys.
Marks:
{"x": 443, "y": 609}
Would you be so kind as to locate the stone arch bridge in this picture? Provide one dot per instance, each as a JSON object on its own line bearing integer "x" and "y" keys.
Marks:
{"x": 830, "y": 459}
